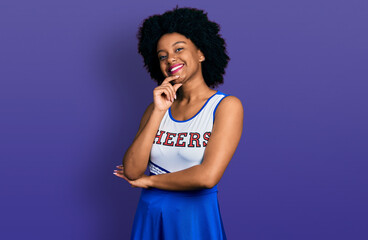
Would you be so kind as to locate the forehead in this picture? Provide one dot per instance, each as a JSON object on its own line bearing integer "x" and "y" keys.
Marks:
{"x": 169, "y": 39}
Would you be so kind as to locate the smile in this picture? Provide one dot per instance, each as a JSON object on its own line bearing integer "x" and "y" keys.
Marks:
{"x": 175, "y": 68}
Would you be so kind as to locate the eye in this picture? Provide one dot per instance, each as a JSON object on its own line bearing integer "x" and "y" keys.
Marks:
{"x": 161, "y": 58}
{"x": 179, "y": 49}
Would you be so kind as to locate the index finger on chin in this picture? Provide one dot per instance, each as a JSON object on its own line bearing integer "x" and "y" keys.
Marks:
{"x": 170, "y": 78}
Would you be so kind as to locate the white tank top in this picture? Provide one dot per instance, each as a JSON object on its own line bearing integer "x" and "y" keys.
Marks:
{"x": 180, "y": 144}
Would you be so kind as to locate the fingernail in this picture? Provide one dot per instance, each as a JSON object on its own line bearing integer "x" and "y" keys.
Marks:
{"x": 177, "y": 76}
{"x": 175, "y": 96}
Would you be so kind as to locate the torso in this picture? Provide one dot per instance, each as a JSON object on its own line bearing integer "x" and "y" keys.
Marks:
{"x": 180, "y": 143}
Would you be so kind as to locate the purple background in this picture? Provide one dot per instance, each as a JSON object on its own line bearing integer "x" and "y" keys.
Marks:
{"x": 73, "y": 90}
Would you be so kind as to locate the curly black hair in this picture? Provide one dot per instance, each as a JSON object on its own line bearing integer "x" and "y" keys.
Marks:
{"x": 193, "y": 24}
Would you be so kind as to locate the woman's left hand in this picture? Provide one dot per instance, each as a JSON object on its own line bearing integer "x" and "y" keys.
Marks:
{"x": 142, "y": 182}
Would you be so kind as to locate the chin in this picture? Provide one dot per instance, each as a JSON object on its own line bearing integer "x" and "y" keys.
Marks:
{"x": 180, "y": 80}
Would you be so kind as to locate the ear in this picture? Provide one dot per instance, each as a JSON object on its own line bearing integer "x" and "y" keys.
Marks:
{"x": 200, "y": 56}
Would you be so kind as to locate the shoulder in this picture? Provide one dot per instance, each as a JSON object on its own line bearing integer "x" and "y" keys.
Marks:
{"x": 229, "y": 105}
{"x": 228, "y": 120}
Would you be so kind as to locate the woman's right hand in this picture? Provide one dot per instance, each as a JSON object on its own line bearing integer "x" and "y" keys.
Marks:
{"x": 165, "y": 94}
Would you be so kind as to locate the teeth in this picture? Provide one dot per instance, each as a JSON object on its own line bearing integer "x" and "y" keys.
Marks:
{"x": 173, "y": 69}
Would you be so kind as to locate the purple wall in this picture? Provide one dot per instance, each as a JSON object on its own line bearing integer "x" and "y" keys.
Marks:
{"x": 73, "y": 88}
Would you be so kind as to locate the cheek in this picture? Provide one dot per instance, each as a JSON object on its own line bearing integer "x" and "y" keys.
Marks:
{"x": 163, "y": 69}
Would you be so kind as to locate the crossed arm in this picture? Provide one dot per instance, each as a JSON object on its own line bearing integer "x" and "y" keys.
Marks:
{"x": 225, "y": 136}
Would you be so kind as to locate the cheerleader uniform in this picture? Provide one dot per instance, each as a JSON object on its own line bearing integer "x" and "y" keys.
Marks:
{"x": 194, "y": 214}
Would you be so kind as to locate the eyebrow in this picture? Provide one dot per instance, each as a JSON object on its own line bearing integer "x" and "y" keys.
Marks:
{"x": 172, "y": 45}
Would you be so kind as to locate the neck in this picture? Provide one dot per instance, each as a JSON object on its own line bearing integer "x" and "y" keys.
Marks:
{"x": 194, "y": 91}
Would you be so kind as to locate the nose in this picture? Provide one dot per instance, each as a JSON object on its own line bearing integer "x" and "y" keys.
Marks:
{"x": 171, "y": 58}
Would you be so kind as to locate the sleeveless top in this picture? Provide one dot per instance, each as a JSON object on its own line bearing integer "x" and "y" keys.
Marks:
{"x": 179, "y": 145}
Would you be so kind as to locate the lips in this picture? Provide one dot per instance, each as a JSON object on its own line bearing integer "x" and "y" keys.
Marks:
{"x": 175, "y": 68}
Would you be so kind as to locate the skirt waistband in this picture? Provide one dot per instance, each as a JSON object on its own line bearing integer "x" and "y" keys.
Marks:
{"x": 189, "y": 193}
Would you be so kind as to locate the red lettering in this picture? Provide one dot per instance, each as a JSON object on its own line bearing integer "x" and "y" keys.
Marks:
{"x": 168, "y": 138}
{"x": 159, "y": 136}
{"x": 178, "y": 144}
{"x": 194, "y": 137}
{"x": 206, "y": 136}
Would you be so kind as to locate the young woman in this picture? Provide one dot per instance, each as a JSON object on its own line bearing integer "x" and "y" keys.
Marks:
{"x": 189, "y": 133}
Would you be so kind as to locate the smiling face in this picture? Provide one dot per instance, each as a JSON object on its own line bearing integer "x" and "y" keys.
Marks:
{"x": 179, "y": 56}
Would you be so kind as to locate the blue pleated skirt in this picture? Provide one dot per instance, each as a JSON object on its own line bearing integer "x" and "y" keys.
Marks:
{"x": 178, "y": 215}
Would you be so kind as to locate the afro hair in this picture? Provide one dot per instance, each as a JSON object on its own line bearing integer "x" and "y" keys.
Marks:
{"x": 193, "y": 24}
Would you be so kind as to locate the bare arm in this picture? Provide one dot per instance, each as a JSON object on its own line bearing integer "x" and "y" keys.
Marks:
{"x": 136, "y": 157}
{"x": 220, "y": 148}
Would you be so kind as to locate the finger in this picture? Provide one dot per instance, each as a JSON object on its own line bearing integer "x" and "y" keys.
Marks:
{"x": 120, "y": 172}
{"x": 166, "y": 92}
{"x": 171, "y": 90}
{"x": 120, "y": 166}
{"x": 119, "y": 175}
{"x": 159, "y": 91}
{"x": 123, "y": 177}
{"x": 177, "y": 86}
{"x": 169, "y": 79}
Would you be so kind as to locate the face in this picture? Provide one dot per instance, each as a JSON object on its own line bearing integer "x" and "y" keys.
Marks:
{"x": 179, "y": 56}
